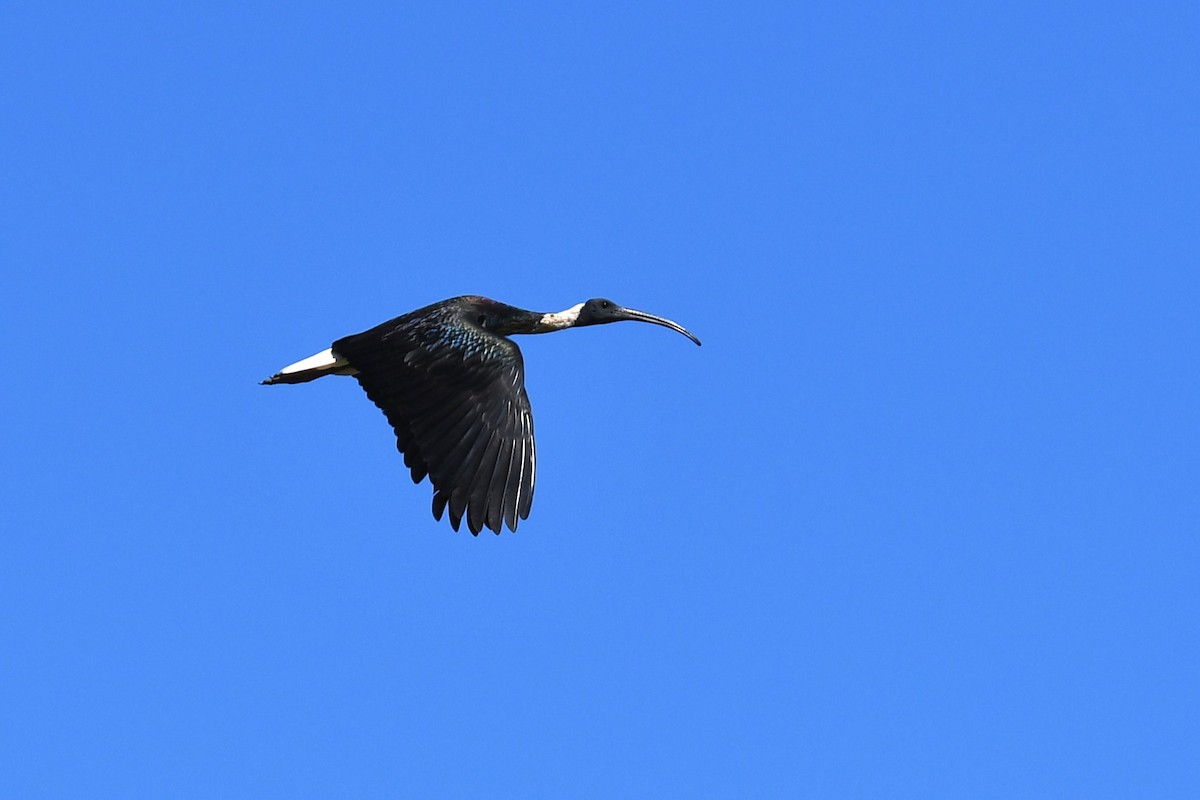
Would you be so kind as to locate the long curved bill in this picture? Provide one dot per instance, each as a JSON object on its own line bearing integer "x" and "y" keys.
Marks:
{"x": 623, "y": 313}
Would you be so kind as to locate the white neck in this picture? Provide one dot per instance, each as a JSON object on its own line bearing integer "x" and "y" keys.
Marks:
{"x": 560, "y": 320}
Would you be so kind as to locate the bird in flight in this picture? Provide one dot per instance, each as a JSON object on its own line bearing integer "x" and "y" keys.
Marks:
{"x": 452, "y": 386}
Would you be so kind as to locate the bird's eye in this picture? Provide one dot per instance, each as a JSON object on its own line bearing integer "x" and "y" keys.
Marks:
{"x": 482, "y": 319}
{"x": 604, "y": 304}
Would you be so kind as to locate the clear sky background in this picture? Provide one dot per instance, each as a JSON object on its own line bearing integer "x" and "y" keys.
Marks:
{"x": 919, "y": 520}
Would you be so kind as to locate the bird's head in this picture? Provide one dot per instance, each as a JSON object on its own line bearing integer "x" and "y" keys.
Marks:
{"x": 600, "y": 311}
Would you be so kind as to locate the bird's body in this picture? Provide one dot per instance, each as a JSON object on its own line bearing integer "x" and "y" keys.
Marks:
{"x": 452, "y": 386}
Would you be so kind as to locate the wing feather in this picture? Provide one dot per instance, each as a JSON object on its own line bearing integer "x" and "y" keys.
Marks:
{"x": 530, "y": 466}
{"x": 495, "y": 502}
{"x": 512, "y": 484}
{"x": 481, "y": 482}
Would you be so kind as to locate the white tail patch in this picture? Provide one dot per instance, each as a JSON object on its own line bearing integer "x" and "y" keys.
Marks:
{"x": 322, "y": 362}
{"x": 325, "y": 362}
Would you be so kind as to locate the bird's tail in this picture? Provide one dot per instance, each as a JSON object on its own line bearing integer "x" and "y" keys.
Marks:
{"x": 323, "y": 363}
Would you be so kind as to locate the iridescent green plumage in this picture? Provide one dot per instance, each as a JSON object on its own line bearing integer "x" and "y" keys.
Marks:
{"x": 454, "y": 392}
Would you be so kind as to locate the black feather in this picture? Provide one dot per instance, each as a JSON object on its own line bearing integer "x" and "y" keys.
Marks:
{"x": 454, "y": 394}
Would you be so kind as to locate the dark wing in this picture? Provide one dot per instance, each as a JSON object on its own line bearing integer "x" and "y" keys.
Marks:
{"x": 455, "y": 396}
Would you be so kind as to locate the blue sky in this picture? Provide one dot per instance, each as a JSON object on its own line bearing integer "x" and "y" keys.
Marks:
{"x": 919, "y": 520}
